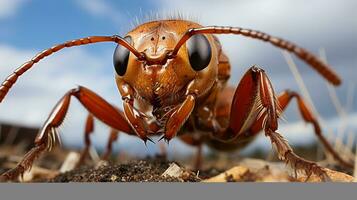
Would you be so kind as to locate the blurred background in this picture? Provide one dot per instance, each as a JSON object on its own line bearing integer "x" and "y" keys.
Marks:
{"x": 327, "y": 28}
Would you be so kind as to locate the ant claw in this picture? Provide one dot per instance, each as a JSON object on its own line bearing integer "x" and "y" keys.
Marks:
{"x": 147, "y": 139}
{"x": 167, "y": 140}
{"x": 161, "y": 138}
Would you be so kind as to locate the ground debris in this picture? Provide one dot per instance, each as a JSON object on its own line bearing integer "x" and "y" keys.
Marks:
{"x": 177, "y": 171}
{"x": 254, "y": 170}
{"x": 70, "y": 162}
{"x": 148, "y": 170}
{"x": 174, "y": 171}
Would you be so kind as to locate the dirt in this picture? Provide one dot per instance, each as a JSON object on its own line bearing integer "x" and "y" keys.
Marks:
{"x": 148, "y": 170}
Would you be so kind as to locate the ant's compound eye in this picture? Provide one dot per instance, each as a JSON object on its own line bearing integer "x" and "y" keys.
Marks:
{"x": 199, "y": 52}
{"x": 121, "y": 57}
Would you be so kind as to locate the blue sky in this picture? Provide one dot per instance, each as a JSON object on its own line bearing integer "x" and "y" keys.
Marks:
{"x": 29, "y": 26}
{"x": 45, "y": 22}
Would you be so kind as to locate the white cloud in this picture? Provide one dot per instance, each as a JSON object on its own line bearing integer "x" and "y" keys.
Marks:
{"x": 101, "y": 8}
{"x": 9, "y": 8}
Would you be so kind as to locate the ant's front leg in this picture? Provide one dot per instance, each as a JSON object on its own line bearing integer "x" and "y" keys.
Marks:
{"x": 253, "y": 98}
{"x": 48, "y": 137}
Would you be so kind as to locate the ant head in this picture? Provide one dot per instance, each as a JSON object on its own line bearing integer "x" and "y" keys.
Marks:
{"x": 163, "y": 69}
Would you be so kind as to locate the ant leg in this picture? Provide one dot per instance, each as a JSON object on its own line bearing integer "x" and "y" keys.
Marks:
{"x": 48, "y": 136}
{"x": 269, "y": 102}
{"x": 87, "y": 142}
{"x": 196, "y": 142}
{"x": 163, "y": 150}
{"x": 198, "y": 160}
{"x": 112, "y": 138}
{"x": 283, "y": 100}
{"x": 254, "y": 97}
{"x": 89, "y": 127}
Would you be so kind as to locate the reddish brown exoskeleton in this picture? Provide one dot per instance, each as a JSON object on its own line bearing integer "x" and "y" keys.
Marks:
{"x": 172, "y": 77}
